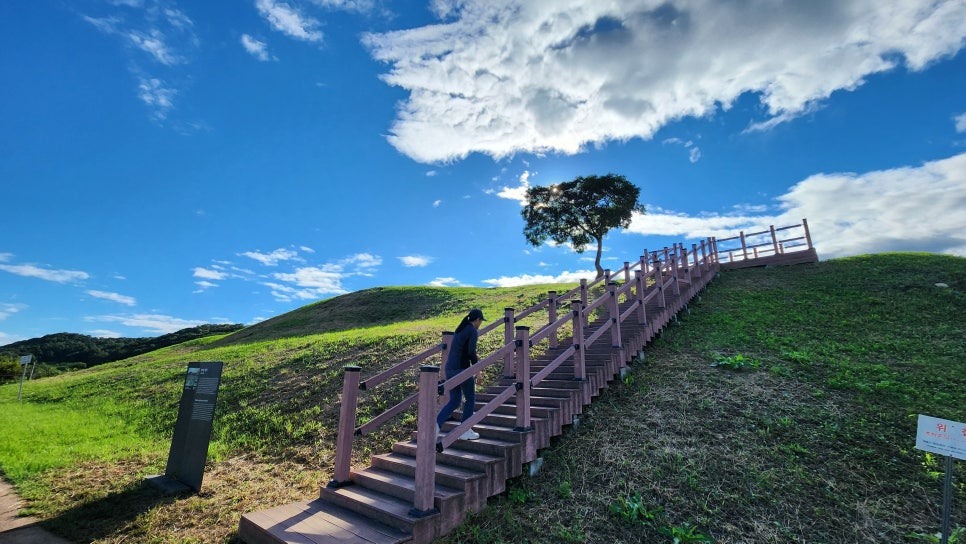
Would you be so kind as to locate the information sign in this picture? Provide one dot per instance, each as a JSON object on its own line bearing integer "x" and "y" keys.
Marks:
{"x": 192, "y": 431}
{"x": 941, "y": 436}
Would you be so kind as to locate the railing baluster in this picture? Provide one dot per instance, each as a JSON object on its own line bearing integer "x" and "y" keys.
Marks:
{"x": 347, "y": 423}
{"x": 580, "y": 368}
{"x": 615, "y": 328}
{"x": 808, "y": 236}
{"x": 583, "y": 301}
{"x": 641, "y": 288}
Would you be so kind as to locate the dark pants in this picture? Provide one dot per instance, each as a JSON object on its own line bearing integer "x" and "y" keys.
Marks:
{"x": 465, "y": 390}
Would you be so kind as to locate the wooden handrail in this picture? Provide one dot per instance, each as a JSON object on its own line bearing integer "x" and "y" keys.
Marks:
{"x": 386, "y": 374}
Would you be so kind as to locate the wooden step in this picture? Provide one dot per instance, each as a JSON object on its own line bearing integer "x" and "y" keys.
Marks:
{"x": 450, "y": 502}
{"x": 470, "y": 482}
{"x": 383, "y": 508}
{"x": 493, "y": 467}
{"x": 315, "y": 522}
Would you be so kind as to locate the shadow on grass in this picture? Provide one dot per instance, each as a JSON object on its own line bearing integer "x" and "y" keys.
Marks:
{"x": 113, "y": 515}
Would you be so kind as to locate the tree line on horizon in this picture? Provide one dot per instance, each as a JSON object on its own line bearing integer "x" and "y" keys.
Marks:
{"x": 72, "y": 351}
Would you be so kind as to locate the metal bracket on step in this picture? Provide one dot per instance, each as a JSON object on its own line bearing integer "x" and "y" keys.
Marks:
{"x": 417, "y": 513}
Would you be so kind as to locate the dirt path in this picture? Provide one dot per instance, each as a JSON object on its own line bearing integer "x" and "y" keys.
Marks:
{"x": 20, "y": 530}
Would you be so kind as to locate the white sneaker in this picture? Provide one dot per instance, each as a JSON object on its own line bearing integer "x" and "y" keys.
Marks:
{"x": 437, "y": 431}
{"x": 470, "y": 435}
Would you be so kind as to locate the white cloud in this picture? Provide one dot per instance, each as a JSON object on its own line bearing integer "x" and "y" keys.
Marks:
{"x": 518, "y": 193}
{"x": 8, "y": 309}
{"x": 114, "y": 297}
{"x": 4, "y": 257}
{"x": 153, "y": 43}
{"x": 960, "y": 122}
{"x": 902, "y": 209}
{"x": 506, "y": 76}
{"x": 314, "y": 282}
{"x": 346, "y": 5}
{"x": 412, "y": 261}
{"x": 208, "y": 274}
{"x": 431, "y": 173}
{"x": 446, "y": 282}
{"x": 289, "y": 20}
{"x": 149, "y": 323}
{"x": 159, "y": 98}
{"x": 273, "y": 258}
{"x": 256, "y": 48}
{"x": 33, "y": 271}
{"x": 437, "y": 203}
{"x": 533, "y": 279}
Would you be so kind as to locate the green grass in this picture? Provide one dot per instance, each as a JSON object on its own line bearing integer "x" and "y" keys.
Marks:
{"x": 802, "y": 431}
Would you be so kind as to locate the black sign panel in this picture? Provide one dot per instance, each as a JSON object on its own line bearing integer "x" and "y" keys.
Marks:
{"x": 192, "y": 432}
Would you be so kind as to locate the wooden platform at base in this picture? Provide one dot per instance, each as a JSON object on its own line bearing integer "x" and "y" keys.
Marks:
{"x": 784, "y": 259}
{"x": 315, "y": 522}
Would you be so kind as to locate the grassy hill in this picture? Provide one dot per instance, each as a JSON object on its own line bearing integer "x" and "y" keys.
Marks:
{"x": 804, "y": 433}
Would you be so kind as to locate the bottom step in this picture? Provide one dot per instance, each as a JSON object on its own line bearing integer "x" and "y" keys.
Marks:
{"x": 315, "y": 522}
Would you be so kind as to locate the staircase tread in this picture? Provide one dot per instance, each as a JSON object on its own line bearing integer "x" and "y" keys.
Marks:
{"x": 449, "y": 470}
{"x": 404, "y": 481}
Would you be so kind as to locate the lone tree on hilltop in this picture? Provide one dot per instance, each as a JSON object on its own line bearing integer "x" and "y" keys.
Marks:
{"x": 580, "y": 211}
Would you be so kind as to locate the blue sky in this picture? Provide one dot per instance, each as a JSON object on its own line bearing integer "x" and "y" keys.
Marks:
{"x": 166, "y": 163}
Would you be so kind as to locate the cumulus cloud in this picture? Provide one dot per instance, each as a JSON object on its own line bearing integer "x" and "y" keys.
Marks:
{"x": 48, "y": 274}
{"x": 533, "y": 279}
{"x": 314, "y": 282}
{"x": 255, "y": 48}
{"x": 446, "y": 282}
{"x": 518, "y": 193}
{"x": 412, "y": 261}
{"x": 507, "y": 76}
{"x": 960, "y": 121}
{"x": 113, "y": 297}
{"x": 290, "y": 20}
{"x": 915, "y": 208}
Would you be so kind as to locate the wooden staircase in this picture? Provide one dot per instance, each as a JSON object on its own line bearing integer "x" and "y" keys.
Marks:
{"x": 376, "y": 505}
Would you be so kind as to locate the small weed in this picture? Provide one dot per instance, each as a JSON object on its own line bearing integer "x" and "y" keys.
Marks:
{"x": 957, "y": 536}
{"x": 633, "y": 510}
{"x": 519, "y": 495}
{"x": 564, "y": 534}
{"x": 564, "y": 490}
{"x": 685, "y": 534}
{"x": 737, "y": 362}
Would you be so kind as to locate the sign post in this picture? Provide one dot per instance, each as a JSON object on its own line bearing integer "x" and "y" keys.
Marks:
{"x": 947, "y": 438}
{"x": 24, "y": 362}
{"x": 192, "y": 431}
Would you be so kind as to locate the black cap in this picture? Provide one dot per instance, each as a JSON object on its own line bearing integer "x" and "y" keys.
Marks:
{"x": 475, "y": 314}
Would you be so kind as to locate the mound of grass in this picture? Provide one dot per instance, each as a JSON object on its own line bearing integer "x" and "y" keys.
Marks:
{"x": 815, "y": 443}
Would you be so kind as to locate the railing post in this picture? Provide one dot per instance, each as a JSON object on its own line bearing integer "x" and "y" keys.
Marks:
{"x": 808, "y": 235}
{"x": 627, "y": 272}
{"x": 447, "y": 344}
{"x": 523, "y": 379}
{"x": 425, "y": 443}
{"x": 774, "y": 239}
{"x": 580, "y": 363}
{"x": 615, "y": 326}
{"x": 659, "y": 282}
{"x": 641, "y": 310}
{"x": 744, "y": 246}
{"x": 583, "y": 301}
{"x": 552, "y": 316}
{"x": 685, "y": 262}
{"x": 508, "y": 321}
{"x": 713, "y": 249}
{"x": 704, "y": 256}
{"x": 347, "y": 424}
{"x": 676, "y": 287}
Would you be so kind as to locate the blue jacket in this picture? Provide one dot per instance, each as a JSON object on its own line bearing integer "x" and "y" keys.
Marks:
{"x": 462, "y": 351}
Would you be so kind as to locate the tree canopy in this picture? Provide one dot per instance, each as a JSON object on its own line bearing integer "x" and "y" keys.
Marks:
{"x": 580, "y": 211}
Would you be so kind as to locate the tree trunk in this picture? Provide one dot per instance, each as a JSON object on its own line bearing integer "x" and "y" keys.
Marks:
{"x": 600, "y": 250}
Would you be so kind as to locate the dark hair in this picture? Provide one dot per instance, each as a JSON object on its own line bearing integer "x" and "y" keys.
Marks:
{"x": 463, "y": 324}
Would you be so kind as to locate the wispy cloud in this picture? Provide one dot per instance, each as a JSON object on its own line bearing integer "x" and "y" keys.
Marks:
{"x": 518, "y": 193}
{"x": 446, "y": 282}
{"x": 149, "y": 323}
{"x": 902, "y": 209}
{"x": 290, "y": 20}
{"x": 484, "y": 80}
{"x": 694, "y": 152}
{"x": 8, "y": 309}
{"x": 114, "y": 297}
{"x": 209, "y": 274}
{"x": 48, "y": 274}
{"x": 413, "y": 261}
{"x": 159, "y": 36}
{"x": 273, "y": 258}
{"x": 314, "y": 282}
{"x": 257, "y": 49}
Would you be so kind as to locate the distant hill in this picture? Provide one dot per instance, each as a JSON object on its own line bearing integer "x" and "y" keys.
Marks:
{"x": 63, "y": 348}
